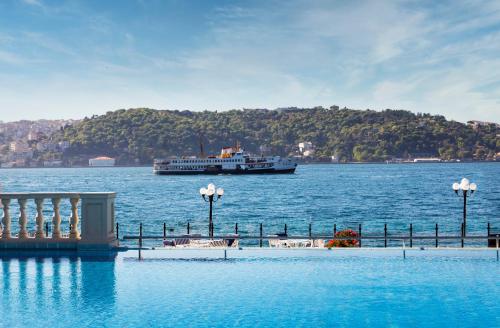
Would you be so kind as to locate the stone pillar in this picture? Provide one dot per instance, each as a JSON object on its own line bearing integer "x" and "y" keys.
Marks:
{"x": 23, "y": 233}
{"x": 56, "y": 219}
{"x": 39, "y": 218}
{"x": 6, "y": 219}
{"x": 74, "y": 234}
{"x": 98, "y": 221}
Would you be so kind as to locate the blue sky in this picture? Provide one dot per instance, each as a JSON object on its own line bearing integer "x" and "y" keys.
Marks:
{"x": 70, "y": 59}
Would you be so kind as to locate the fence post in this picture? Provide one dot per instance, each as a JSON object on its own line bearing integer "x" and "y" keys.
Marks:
{"x": 188, "y": 229}
{"x": 140, "y": 240}
{"x": 164, "y": 230}
{"x": 411, "y": 235}
{"x": 497, "y": 247}
{"x": 385, "y": 235}
{"x": 117, "y": 231}
{"x": 236, "y": 228}
{"x": 286, "y": 230}
{"x": 260, "y": 242}
{"x": 359, "y": 228}
{"x": 437, "y": 238}
{"x": 310, "y": 230}
{"x": 462, "y": 234}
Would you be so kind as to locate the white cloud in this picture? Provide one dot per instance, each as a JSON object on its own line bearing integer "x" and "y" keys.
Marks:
{"x": 37, "y": 3}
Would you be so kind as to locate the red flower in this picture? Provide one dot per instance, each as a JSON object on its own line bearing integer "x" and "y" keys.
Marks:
{"x": 343, "y": 242}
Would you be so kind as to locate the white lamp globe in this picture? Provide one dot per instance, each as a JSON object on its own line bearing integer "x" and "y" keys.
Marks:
{"x": 464, "y": 184}
{"x": 211, "y": 186}
{"x": 220, "y": 191}
{"x": 203, "y": 191}
{"x": 455, "y": 186}
{"x": 473, "y": 186}
{"x": 210, "y": 192}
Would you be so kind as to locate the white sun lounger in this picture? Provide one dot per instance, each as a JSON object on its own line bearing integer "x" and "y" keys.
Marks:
{"x": 296, "y": 243}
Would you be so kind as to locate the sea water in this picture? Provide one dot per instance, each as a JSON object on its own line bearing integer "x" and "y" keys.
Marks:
{"x": 321, "y": 195}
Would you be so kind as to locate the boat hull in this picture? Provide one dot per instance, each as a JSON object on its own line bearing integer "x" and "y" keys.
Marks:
{"x": 222, "y": 171}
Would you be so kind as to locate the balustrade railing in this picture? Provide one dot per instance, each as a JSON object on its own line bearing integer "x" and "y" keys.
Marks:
{"x": 39, "y": 199}
{"x": 97, "y": 224}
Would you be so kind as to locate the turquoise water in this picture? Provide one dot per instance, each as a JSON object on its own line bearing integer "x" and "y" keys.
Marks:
{"x": 324, "y": 195}
{"x": 344, "y": 288}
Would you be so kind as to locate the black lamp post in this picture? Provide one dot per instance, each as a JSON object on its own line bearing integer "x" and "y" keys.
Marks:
{"x": 466, "y": 189}
{"x": 208, "y": 195}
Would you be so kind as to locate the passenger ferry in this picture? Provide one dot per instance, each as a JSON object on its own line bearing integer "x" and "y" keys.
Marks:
{"x": 232, "y": 160}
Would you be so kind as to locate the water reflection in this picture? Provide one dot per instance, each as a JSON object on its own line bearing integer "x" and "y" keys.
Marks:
{"x": 55, "y": 289}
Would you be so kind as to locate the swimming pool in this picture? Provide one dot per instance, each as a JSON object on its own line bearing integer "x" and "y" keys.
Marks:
{"x": 279, "y": 288}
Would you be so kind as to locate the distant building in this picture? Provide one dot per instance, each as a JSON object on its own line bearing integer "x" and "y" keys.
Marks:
{"x": 22, "y": 155}
{"x": 305, "y": 146}
{"x": 63, "y": 145}
{"x": 50, "y": 146}
{"x": 334, "y": 159}
{"x": 102, "y": 161}
{"x": 32, "y": 136}
{"x": 7, "y": 165}
{"x": 308, "y": 153}
{"x": 18, "y": 147}
{"x": 476, "y": 124}
{"x": 427, "y": 160}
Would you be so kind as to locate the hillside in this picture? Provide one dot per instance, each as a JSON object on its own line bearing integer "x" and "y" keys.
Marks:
{"x": 351, "y": 135}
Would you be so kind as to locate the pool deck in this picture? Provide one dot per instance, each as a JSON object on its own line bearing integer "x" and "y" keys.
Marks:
{"x": 257, "y": 252}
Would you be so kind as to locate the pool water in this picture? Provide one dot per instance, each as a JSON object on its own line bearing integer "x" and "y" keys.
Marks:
{"x": 274, "y": 288}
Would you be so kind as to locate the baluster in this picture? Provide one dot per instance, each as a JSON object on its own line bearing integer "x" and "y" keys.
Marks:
{"x": 39, "y": 218}
{"x": 56, "y": 219}
{"x": 74, "y": 234}
{"x": 6, "y": 219}
{"x": 23, "y": 233}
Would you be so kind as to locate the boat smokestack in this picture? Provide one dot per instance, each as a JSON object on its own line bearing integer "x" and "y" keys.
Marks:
{"x": 202, "y": 152}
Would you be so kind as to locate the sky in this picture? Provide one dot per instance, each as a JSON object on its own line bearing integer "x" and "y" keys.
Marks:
{"x": 76, "y": 58}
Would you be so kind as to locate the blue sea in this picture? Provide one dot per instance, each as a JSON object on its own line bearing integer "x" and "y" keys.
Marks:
{"x": 321, "y": 195}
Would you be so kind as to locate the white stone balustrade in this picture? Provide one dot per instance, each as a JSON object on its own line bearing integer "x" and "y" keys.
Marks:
{"x": 97, "y": 221}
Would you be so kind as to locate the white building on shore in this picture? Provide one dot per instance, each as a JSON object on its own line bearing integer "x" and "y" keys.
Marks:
{"x": 427, "y": 160}
{"x": 102, "y": 161}
{"x": 306, "y": 149}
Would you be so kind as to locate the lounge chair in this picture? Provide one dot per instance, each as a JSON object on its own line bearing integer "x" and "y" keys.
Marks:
{"x": 232, "y": 242}
{"x": 295, "y": 243}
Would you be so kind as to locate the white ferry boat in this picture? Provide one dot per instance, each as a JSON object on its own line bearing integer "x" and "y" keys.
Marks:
{"x": 232, "y": 160}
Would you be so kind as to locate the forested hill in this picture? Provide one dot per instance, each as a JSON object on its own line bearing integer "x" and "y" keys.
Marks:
{"x": 351, "y": 135}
